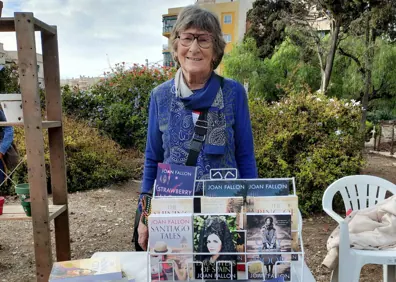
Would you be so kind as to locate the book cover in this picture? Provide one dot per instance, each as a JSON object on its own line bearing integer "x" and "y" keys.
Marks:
{"x": 218, "y": 205}
{"x": 225, "y": 188}
{"x": 281, "y": 204}
{"x": 268, "y": 232}
{"x": 216, "y": 236}
{"x": 241, "y": 246}
{"x": 171, "y": 205}
{"x": 86, "y": 270}
{"x": 170, "y": 234}
{"x": 221, "y": 205}
{"x": 175, "y": 180}
{"x": 270, "y": 267}
{"x": 268, "y": 187}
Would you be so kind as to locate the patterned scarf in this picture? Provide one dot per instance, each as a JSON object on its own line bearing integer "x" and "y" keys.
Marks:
{"x": 215, "y": 137}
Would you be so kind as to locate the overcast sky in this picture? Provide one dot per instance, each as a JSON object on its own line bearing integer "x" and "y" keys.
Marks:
{"x": 125, "y": 30}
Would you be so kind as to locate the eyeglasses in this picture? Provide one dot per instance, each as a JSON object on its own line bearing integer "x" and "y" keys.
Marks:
{"x": 204, "y": 40}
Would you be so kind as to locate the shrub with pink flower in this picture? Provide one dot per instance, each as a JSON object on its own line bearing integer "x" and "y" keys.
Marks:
{"x": 118, "y": 103}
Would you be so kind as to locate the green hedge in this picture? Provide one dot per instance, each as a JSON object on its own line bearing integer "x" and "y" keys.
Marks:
{"x": 118, "y": 104}
{"x": 92, "y": 161}
{"x": 310, "y": 137}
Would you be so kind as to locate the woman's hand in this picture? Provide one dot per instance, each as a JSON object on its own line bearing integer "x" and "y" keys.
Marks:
{"x": 143, "y": 235}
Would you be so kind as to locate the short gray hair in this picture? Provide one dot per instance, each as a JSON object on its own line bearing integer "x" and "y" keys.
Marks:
{"x": 194, "y": 16}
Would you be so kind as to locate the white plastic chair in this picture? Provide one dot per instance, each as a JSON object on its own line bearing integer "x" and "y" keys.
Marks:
{"x": 358, "y": 192}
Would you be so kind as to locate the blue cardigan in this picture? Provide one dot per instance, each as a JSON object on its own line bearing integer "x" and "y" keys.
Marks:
{"x": 170, "y": 130}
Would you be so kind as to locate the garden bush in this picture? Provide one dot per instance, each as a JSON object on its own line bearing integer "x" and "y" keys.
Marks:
{"x": 9, "y": 79}
{"x": 118, "y": 104}
{"x": 310, "y": 137}
{"x": 92, "y": 160}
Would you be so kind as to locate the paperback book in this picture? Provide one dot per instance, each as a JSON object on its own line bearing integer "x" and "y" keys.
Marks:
{"x": 241, "y": 250}
{"x": 170, "y": 235}
{"x": 268, "y": 187}
{"x": 225, "y": 188}
{"x": 281, "y": 204}
{"x": 270, "y": 267}
{"x": 175, "y": 180}
{"x": 219, "y": 205}
{"x": 86, "y": 270}
{"x": 268, "y": 232}
{"x": 172, "y": 205}
{"x": 215, "y": 238}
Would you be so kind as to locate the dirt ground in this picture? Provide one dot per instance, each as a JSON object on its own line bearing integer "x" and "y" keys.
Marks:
{"x": 102, "y": 220}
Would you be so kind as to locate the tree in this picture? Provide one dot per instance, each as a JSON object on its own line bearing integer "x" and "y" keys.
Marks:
{"x": 268, "y": 24}
{"x": 244, "y": 65}
{"x": 378, "y": 18}
{"x": 268, "y": 78}
{"x": 270, "y": 20}
{"x": 9, "y": 79}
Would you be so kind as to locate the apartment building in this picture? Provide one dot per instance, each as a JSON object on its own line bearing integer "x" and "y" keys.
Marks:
{"x": 232, "y": 16}
{"x": 83, "y": 82}
{"x": 8, "y": 57}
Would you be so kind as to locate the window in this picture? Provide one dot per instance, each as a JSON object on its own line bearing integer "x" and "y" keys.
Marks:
{"x": 227, "y": 19}
{"x": 227, "y": 38}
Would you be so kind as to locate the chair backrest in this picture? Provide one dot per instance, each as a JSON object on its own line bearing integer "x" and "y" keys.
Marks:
{"x": 358, "y": 191}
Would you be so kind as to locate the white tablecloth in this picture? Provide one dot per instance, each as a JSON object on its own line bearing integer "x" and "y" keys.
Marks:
{"x": 135, "y": 264}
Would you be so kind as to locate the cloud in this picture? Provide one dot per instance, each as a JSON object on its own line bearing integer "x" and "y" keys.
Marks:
{"x": 92, "y": 31}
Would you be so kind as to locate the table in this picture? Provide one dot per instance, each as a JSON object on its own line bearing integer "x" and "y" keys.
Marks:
{"x": 134, "y": 264}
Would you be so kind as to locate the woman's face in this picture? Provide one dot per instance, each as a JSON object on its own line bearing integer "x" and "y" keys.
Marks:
{"x": 194, "y": 59}
{"x": 268, "y": 222}
{"x": 213, "y": 243}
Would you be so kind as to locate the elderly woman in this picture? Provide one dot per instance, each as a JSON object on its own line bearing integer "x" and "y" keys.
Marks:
{"x": 222, "y": 136}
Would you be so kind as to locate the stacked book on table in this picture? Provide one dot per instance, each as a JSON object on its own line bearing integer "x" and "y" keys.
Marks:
{"x": 93, "y": 269}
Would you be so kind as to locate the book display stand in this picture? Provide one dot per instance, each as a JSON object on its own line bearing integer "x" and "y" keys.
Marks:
{"x": 295, "y": 255}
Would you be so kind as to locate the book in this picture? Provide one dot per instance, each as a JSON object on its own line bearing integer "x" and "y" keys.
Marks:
{"x": 241, "y": 249}
{"x": 268, "y": 232}
{"x": 218, "y": 205}
{"x": 170, "y": 234}
{"x": 270, "y": 268}
{"x": 216, "y": 236}
{"x": 221, "y": 205}
{"x": 247, "y": 187}
{"x": 86, "y": 270}
{"x": 175, "y": 180}
{"x": 225, "y": 188}
{"x": 171, "y": 205}
{"x": 281, "y": 204}
{"x": 268, "y": 187}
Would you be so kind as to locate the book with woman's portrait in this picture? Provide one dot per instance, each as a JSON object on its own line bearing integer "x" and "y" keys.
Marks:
{"x": 269, "y": 235}
{"x": 214, "y": 239}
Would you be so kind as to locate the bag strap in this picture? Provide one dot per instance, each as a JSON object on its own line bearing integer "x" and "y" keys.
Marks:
{"x": 200, "y": 130}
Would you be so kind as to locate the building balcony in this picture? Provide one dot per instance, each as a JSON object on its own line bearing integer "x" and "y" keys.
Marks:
{"x": 165, "y": 48}
{"x": 168, "y": 23}
{"x": 166, "y": 30}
